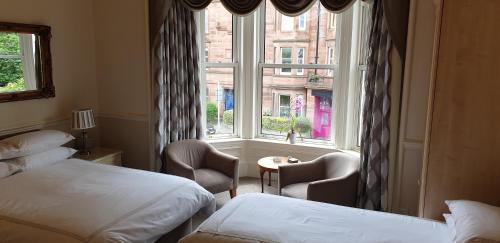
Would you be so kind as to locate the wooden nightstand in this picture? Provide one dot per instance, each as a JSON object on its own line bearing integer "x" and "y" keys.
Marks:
{"x": 103, "y": 155}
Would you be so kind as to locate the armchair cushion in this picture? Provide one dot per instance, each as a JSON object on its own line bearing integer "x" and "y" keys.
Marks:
{"x": 298, "y": 190}
{"x": 212, "y": 180}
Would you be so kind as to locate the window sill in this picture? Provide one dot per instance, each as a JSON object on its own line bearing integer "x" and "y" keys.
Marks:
{"x": 271, "y": 142}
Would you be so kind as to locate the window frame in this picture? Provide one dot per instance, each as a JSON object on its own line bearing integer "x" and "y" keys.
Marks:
{"x": 201, "y": 19}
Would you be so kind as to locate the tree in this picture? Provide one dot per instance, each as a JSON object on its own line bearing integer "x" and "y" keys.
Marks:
{"x": 211, "y": 112}
{"x": 11, "y": 69}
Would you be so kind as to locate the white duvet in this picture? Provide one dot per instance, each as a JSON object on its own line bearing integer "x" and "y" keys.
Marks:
{"x": 280, "y": 219}
{"x": 80, "y": 201}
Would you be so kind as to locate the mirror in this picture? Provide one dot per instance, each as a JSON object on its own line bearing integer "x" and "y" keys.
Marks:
{"x": 25, "y": 62}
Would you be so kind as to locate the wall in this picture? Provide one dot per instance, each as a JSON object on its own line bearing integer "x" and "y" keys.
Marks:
{"x": 122, "y": 54}
{"x": 73, "y": 63}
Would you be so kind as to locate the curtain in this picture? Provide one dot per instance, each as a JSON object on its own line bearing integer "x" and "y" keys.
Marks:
{"x": 396, "y": 14}
{"x": 372, "y": 189}
{"x": 176, "y": 84}
{"x": 287, "y": 7}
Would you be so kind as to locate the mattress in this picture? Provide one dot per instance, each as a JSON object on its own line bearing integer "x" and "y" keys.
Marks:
{"x": 80, "y": 201}
{"x": 269, "y": 218}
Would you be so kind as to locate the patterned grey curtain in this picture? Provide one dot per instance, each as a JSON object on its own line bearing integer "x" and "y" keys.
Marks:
{"x": 176, "y": 84}
{"x": 372, "y": 189}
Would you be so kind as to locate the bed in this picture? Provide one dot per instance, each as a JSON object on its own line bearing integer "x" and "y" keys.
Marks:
{"x": 79, "y": 201}
{"x": 269, "y": 218}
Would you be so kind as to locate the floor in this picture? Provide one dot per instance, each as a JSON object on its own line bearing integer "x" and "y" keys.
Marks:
{"x": 245, "y": 185}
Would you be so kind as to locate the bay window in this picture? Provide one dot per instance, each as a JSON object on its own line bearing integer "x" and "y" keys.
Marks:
{"x": 264, "y": 70}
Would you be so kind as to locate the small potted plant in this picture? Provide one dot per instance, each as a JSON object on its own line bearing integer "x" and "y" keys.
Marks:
{"x": 292, "y": 135}
{"x": 296, "y": 105}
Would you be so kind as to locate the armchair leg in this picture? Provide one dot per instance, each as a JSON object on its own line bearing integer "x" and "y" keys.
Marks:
{"x": 232, "y": 193}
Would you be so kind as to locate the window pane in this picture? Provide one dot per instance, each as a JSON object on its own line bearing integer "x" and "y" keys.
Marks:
{"x": 302, "y": 22}
{"x": 295, "y": 38}
{"x": 286, "y": 58}
{"x": 286, "y": 23}
{"x": 300, "y": 60}
{"x": 218, "y": 33}
{"x": 9, "y": 44}
{"x": 17, "y": 62}
{"x": 308, "y": 99}
{"x": 220, "y": 101}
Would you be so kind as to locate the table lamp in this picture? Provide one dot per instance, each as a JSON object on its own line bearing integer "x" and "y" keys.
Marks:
{"x": 82, "y": 120}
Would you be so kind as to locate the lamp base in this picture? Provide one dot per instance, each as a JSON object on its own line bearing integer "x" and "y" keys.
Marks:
{"x": 83, "y": 148}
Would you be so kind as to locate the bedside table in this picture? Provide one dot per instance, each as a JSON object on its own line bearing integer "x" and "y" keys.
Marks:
{"x": 103, "y": 156}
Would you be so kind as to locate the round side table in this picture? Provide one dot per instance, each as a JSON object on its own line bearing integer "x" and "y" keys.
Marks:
{"x": 270, "y": 165}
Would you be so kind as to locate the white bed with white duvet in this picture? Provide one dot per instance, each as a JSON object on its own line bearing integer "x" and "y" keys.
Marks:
{"x": 73, "y": 200}
{"x": 255, "y": 217}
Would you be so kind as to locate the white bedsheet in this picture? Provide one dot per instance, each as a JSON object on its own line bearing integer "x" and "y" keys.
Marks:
{"x": 80, "y": 201}
{"x": 280, "y": 219}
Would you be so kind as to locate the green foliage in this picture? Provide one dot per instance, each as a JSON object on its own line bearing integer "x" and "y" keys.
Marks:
{"x": 302, "y": 125}
{"x": 9, "y": 43}
{"x": 11, "y": 69}
{"x": 211, "y": 112}
{"x": 279, "y": 124}
{"x": 13, "y": 86}
{"x": 227, "y": 118}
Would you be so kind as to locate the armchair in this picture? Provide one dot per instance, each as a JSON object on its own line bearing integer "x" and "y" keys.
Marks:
{"x": 332, "y": 178}
{"x": 201, "y": 162}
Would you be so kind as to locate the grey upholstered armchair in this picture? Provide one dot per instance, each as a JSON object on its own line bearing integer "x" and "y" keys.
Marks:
{"x": 332, "y": 178}
{"x": 201, "y": 162}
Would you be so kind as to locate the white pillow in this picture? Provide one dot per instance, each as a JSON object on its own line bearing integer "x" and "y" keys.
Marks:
{"x": 475, "y": 221}
{"x": 44, "y": 159}
{"x": 32, "y": 143}
{"x": 450, "y": 222}
{"x": 7, "y": 169}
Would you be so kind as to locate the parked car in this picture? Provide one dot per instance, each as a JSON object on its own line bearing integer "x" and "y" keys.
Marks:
{"x": 211, "y": 130}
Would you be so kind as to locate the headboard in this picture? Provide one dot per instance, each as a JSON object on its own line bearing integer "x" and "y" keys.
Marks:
{"x": 4, "y": 136}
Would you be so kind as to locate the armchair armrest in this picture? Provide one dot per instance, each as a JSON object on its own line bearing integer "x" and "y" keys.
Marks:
{"x": 300, "y": 172}
{"x": 224, "y": 163}
{"x": 175, "y": 167}
{"x": 340, "y": 191}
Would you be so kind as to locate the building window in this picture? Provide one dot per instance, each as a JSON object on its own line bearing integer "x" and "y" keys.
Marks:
{"x": 206, "y": 22}
{"x": 331, "y": 22}
{"x": 286, "y": 58}
{"x": 286, "y": 23}
{"x": 330, "y": 59}
{"x": 219, "y": 72}
{"x": 300, "y": 60}
{"x": 284, "y": 106}
{"x": 302, "y": 22}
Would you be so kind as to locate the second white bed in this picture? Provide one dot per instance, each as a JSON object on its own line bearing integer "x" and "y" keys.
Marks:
{"x": 268, "y": 218}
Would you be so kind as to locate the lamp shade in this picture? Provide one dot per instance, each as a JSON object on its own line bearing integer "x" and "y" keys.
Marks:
{"x": 83, "y": 119}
